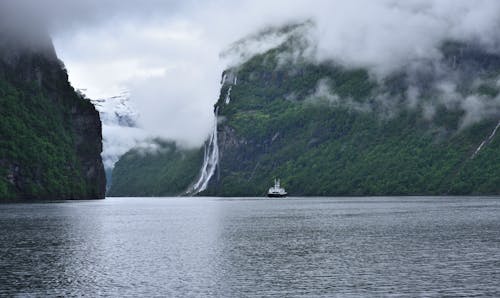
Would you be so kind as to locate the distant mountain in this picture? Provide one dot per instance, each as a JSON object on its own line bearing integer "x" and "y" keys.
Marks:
{"x": 50, "y": 136}
{"x": 431, "y": 128}
{"x": 120, "y": 131}
{"x": 162, "y": 169}
{"x": 116, "y": 110}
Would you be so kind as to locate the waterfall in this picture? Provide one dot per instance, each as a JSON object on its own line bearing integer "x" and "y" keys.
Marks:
{"x": 210, "y": 162}
{"x": 228, "y": 95}
{"x": 478, "y": 149}
{"x": 494, "y": 132}
{"x": 487, "y": 140}
{"x": 223, "y": 78}
{"x": 211, "y": 153}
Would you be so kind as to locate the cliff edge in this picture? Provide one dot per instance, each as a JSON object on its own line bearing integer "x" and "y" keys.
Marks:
{"x": 50, "y": 136}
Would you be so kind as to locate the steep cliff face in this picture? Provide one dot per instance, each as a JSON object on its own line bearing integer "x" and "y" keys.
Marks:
{"x": 50, "y": 136}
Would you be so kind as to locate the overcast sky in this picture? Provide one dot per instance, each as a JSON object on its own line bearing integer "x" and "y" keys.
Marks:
{"x": 166, "y": 52}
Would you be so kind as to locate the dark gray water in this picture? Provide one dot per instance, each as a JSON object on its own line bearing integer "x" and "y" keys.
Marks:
{"x": 252, "y": 247}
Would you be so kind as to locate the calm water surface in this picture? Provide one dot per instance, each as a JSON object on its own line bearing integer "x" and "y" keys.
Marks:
{"x": 252, "y": 247}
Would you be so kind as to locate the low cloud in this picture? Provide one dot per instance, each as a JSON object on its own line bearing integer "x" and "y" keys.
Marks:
{"x": 118, "y": 140}
{"x": 325, "y": 94}
{"x": 166, "y": 52}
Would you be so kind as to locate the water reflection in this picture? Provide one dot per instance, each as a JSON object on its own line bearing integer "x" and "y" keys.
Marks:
{"x": 252, "y": 247}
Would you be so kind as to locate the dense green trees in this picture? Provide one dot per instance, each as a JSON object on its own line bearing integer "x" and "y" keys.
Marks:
{"x": 165, "y": 171}
{"x": 350, "y": 141}
{"x": 356, "y": 136}
{"x": 50, "y": 137}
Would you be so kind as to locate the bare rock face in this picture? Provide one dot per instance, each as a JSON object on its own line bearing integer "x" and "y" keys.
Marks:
{"x": 51, "y": 140}
{"x": 88, "y": 144}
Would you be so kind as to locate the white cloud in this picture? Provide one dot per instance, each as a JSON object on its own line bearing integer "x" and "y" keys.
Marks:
{"x": 167, "y": 52}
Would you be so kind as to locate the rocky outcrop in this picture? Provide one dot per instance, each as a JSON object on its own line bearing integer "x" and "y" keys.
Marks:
{"x": 88, "y": 144}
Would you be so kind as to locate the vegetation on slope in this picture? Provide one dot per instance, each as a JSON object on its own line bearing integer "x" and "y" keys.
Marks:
{"x": 352, "y": 141}
{"x": 49, "y": 135}
{"x": 328, "y": 130}
{"x": 165, "y": 171}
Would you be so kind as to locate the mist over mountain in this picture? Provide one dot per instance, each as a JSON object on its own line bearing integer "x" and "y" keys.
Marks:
{"x": 50, "y": 135}
{"x": 437, "y": 59}
{"x": 427, "y": 128}
{"x": 166, "y": 46}
{"x": 249, "y": 148}
{"x": 119, "y": 121}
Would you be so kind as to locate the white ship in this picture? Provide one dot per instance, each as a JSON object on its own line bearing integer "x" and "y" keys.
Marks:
{"x": 276, "y": 191}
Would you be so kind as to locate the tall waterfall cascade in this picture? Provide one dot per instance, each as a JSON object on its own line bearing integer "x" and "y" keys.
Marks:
{"x": 211, "y": 155}
{"x": 487, "y": 140}
{"x": 210, "y": 162}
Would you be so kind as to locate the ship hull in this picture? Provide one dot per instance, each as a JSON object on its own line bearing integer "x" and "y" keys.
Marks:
{"x": 276, "y": 195}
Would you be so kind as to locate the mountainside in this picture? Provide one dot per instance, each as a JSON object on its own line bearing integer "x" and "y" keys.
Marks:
{"x": 50, "y": 136}
{"x": 326, "y": 129}
{"x": 164, "y": 170}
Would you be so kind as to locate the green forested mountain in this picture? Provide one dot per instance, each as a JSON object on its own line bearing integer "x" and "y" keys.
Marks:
{"x": 50, "y": 136}
{"x": 360, "y": 136}
{"x": 326, "y": 129}
{"x": 165, "y": 171}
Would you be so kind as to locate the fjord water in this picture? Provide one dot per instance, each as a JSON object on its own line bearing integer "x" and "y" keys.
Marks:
{"x": 195, "y": 247}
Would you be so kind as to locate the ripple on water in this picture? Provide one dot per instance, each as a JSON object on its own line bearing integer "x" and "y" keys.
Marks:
{"x": 252, "y": 247}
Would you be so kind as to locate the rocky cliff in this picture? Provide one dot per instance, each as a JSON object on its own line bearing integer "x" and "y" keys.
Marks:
{"x": 50, "y": 136}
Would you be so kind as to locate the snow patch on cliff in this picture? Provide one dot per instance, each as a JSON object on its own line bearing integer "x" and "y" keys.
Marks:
{"x": 119, "y": 129}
